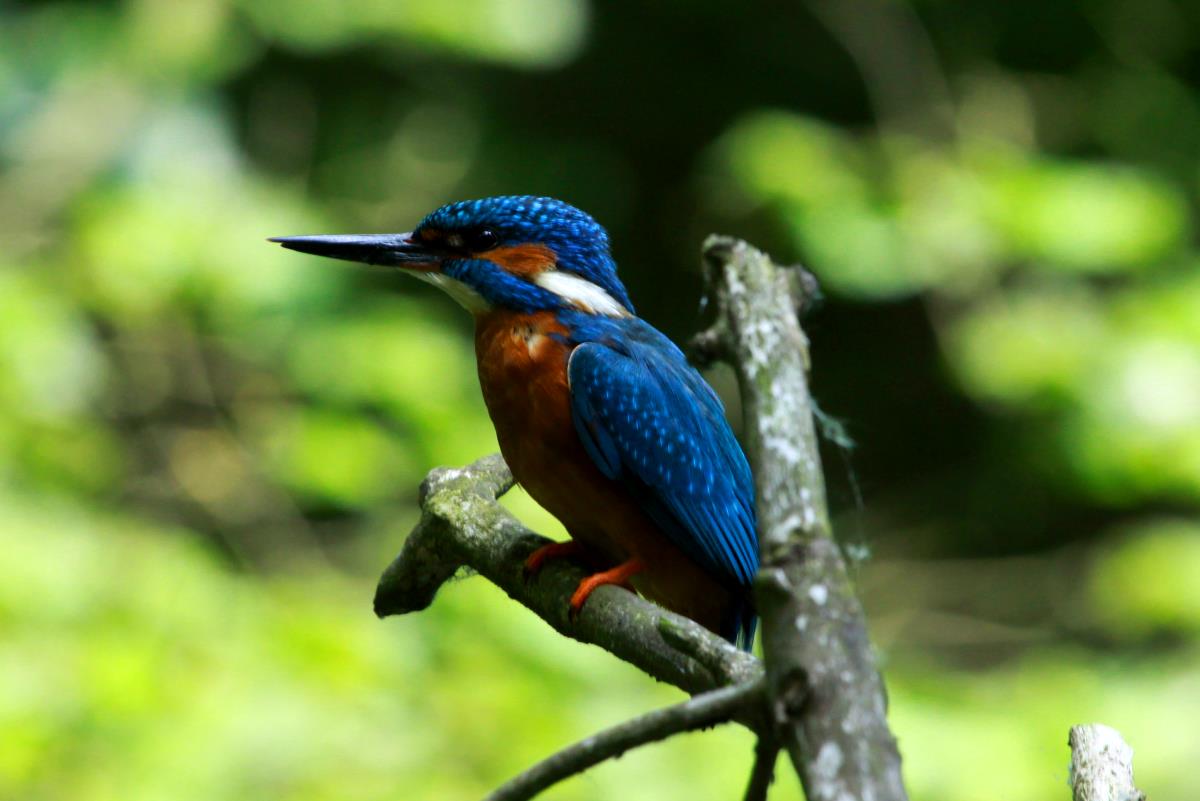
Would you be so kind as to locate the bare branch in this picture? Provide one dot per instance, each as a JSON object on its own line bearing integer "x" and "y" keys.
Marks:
{"x": 701, "y": 712}
{"x": 1101, "y": 765}
{"x": 766, "y": 753}
{"x": 825, "y": 692}
{"x": 463, "y": 525}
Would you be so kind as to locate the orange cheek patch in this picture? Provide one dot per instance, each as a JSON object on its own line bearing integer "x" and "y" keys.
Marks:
{"x": 526, "y": 261}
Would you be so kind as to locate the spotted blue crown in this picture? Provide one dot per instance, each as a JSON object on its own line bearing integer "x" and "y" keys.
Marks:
{"x": 579, "y": 242}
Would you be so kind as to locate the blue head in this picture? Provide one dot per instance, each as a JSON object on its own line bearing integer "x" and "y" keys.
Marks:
{"x": 517, "y": 252}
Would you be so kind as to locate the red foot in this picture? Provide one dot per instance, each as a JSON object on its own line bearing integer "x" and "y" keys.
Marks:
{"x": 553, "y": 550}
{"x": 618, "y": 575}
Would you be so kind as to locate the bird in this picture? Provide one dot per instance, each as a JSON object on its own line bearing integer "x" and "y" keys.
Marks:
{"x": 598, "y": 414}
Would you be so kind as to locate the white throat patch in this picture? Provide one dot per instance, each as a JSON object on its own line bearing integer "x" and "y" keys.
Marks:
{"x": 466, "y": 297}
{"x": 589, "y": 297}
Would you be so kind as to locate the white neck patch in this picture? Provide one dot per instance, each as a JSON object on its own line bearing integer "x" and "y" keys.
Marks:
{"x": 589, "y": 297}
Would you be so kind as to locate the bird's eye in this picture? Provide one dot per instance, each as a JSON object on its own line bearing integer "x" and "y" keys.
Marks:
{"x": 483, "y": 239}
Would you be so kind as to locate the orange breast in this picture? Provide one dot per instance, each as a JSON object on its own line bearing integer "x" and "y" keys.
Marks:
{"x": 523, "y": 375}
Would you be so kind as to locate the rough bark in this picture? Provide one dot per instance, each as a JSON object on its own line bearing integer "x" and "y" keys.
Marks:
{"x": 826, "y": 695}
{"x": 1101, "y": 765}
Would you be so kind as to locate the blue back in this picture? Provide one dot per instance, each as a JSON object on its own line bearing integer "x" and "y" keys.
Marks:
{"x": 649, "y": 420}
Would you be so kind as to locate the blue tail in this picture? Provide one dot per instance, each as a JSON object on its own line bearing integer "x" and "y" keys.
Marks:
{"x": 740, "y": 623}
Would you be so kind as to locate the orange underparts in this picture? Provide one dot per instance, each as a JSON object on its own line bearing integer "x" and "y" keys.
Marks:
{"x": 619, "y": 575}
{"x": 555, "y": 550}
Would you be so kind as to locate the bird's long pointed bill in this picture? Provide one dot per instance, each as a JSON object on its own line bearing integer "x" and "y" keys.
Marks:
{"x": 391, "y": 250}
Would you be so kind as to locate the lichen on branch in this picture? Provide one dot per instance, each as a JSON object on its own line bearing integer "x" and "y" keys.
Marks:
{"x": 463, "y": 525}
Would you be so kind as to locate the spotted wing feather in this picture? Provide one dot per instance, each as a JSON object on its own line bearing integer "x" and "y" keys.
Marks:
{"x": 649, "y": 420}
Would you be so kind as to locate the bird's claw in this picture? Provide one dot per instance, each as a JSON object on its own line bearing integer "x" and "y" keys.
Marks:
{"x": 551, "y": 550}
{"x": 619, "y": 575}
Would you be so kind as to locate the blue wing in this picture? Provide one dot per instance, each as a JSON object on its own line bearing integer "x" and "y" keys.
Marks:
{"x": 648, "y": 419}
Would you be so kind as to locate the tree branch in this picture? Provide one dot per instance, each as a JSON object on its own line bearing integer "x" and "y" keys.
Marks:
{"x": 825, "y": 693}
{"x": 1101, "y": 765}
{"x": 700, "y": 712}
{"x": 463, "y": 525}
{"x": 825, "y": 698}
{"x": 766, "y": 753}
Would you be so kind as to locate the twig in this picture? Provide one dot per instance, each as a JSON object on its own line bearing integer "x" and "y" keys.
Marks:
{"x": 463, "y": 525}
{"x": 825, "y": 692}
{"x": 1101, "y": 765}
{"x": 766, "y": 752}
{"x": 701, "y": 712}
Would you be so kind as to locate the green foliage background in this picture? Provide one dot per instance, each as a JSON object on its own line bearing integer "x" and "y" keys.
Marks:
{"x": 209, "y": 447}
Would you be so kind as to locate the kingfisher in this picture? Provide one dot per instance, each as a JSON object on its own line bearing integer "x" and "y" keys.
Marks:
{"x": 598, "y": 414}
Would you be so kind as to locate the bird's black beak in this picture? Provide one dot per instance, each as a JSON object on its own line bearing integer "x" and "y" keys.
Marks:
{"x": 390, "y": 250}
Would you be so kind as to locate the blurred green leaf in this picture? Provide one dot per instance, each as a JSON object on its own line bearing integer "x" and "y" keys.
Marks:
{"x": 1148, "y": 582}
{"x": 526, "y": 32}
{"x": 51, "y": 363}
{"x": 1138, "y": 428}
{"x": 1083, "y": 217}
{"x": 1035, "y": 345}
{"x": 335, "y": 457}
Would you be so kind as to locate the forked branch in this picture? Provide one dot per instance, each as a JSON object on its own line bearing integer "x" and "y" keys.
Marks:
{"x": 824, "y": 697}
